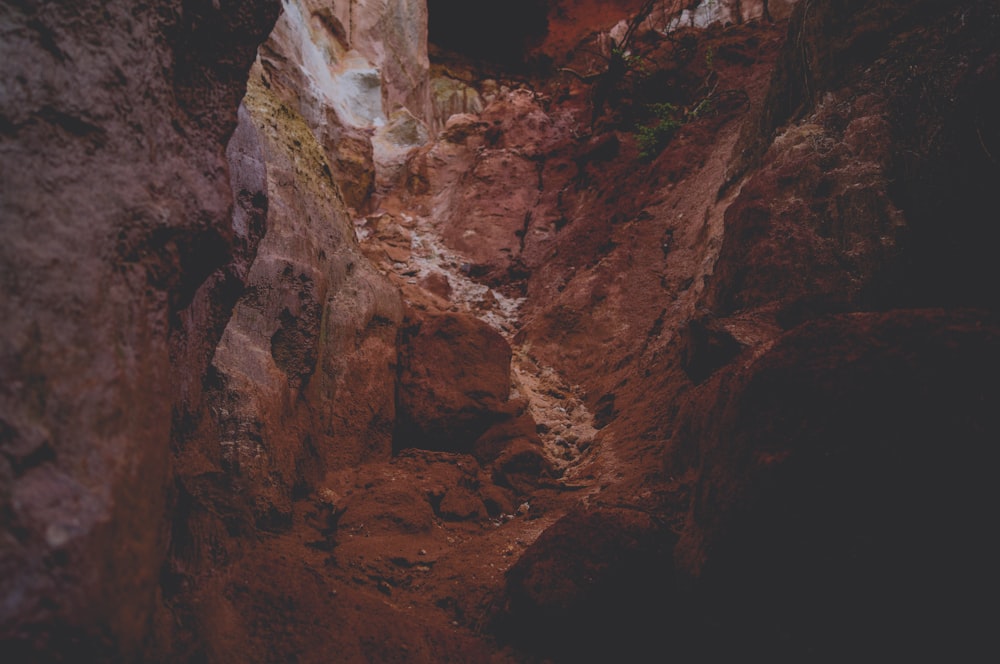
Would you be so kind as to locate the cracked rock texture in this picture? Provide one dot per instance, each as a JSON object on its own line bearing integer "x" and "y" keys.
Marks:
{"x": 119, "y": 266}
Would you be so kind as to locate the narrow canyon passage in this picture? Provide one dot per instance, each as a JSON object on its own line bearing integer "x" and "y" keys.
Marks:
{"x": 534, "y": 332}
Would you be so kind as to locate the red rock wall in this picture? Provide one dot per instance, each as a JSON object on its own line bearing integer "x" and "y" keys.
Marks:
{"x": 821, "y": 463}
{"x": 116, "y": 214}
{"x": 841, "y": 405}
{"x": 866, "y": 107}
{"x": 303, "y": 378}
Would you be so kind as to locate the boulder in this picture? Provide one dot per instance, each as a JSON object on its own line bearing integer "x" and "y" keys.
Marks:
{"x": 454, "y": 381}
{"x": 518, "y": 424}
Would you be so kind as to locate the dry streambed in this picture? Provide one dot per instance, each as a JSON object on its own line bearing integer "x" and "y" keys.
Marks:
{"x": 409, "y": 247}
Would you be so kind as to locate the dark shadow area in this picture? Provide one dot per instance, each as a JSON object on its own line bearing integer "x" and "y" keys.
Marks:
{"x": 496, "y": 33}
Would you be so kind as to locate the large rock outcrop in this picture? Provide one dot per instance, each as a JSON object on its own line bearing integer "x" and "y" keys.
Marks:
{"x": 843, "y": 487}
{"x": 302, "y": 387}
{"x": 820, "y": 456}
{"x": 120, "y": 259}
{"x": 303, "y": 378}
{"x": 852, "y": 193}
{"x": 454, "y": 381}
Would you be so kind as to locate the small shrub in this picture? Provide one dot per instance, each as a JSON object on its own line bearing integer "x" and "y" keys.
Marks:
{"x": 654, "y": 137}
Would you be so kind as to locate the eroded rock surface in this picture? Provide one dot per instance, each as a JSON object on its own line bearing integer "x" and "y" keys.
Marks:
{"x": 454, "y": 382}
{"x": 704, "y": 373}
{"x": 119, "y": 263}
{"x": 313, "y": 337}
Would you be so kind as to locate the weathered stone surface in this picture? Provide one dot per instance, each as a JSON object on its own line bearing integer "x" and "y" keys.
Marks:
{"x": 523, "y": 466}
{"x": 357, "y": 72}
{"x": 117, "y": 225}
{"x": 454, "y": 381}
{"x": 488, "y": 219}
{"x": 450, "y": 97}
{"x": 817, "y": 210}
{"x": 513, "y": 450}
{"x": 437, "y": 284}
{"x": 853, "y": 195}
{"x": 365, "y": 58}
{"x": 392, "y": 35}
{"x": 494, "y": 187}
{"x": 302, "y": 380}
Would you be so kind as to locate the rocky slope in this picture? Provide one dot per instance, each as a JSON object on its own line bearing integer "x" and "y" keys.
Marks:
{"x": 825, "y": 207}
{"x": 605, "y": 338}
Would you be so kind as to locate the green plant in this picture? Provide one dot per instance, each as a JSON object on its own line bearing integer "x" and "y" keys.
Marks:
{"x": 703, "y": 107}
{"x": 621, "y": 62}
{"x": 654, "y": 137}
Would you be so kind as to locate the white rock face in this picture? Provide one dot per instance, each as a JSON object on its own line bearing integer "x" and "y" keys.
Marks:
{"x": 336, "y": 76}
{"x": 392, "y": 35}
{"x": 366, "y": 60}
{"x": 357, "y": 92}
{"x": 664, "y": 17}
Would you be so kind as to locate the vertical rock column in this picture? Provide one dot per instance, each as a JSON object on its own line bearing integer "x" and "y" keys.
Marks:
{"x": 303, "y": 379}
{"x": 115, "y": 211}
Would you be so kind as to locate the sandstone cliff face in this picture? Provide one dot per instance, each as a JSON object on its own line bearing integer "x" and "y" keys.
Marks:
{"x": 392, "y": 35}
{"x": 303, "y": 386}
{"x": 844, "y": 428}
{"x": 303, "y": 379}
{"x": 850, "y": 93}
{"x": 119, "y": 260}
